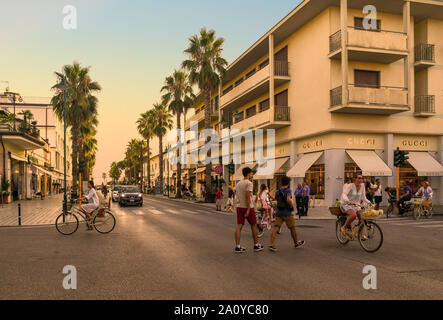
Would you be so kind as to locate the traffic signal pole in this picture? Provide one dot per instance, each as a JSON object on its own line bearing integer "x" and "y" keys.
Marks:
{"x": 398, "y": 183}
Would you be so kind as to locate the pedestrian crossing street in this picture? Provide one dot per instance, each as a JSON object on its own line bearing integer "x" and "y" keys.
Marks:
{"x": 424, "y": 223}
{"x": 151, "y": 210}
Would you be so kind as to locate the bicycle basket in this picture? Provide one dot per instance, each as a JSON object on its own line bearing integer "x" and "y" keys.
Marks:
{"x": 371, "y": 214}
{"x": 336, "y": 211}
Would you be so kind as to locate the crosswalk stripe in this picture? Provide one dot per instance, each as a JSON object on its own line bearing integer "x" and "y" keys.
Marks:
{"x": 413, "y": 223}
{"x": 173, "y": 211}
{"x": 139, "y": 213}
{"x": 154, "y": 211}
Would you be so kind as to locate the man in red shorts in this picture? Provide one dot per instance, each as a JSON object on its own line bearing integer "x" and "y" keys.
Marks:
{"x": 245, "y": 210}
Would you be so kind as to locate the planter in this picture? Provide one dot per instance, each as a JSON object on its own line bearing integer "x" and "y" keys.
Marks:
{"x": 5, "y": 199}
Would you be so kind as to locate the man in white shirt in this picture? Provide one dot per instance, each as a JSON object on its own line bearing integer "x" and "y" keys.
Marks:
{"x": 245, "y": 210}
{"x": 378, "y": 198}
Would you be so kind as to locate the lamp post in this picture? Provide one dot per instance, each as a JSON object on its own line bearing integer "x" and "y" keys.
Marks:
{"x": 63, "y": 87}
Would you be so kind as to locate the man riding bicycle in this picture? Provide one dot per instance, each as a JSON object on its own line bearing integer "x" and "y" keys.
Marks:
{"x": 407, "y": 196}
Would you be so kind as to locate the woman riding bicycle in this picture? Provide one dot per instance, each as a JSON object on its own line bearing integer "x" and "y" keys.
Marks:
{"x": 93, "y": 201}
{"x": 353, "y": 195}
{"x": 427, "y": 194}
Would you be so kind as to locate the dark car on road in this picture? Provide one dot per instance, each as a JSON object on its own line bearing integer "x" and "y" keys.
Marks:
{"x": 130, "y": 195}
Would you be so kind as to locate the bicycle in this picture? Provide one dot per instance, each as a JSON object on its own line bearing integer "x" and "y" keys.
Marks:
{"x": 420, "y": 210}
{"x": 369, "y": 233}
{"x": 102, "y": 220}
{"x": 263, "y": 222}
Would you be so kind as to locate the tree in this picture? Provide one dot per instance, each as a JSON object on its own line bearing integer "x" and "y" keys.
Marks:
{"x": 134, "y": 159}
{"x": 178, "y": 98}
{"x": 145, "y": 127}
{"x": 206, "y": 68}
{"x": 115, "y": 172}
{"x": 104, "y": 175}
{"x": 161, "y": 124}
{"x": 80, "y": 88}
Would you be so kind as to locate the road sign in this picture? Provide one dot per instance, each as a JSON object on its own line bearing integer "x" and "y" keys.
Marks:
{"x": 218, "y": 169}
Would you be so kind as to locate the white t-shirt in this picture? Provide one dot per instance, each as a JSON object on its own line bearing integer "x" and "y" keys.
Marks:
{"x": 377, "y": 193}
{"x": 240, "y": 191}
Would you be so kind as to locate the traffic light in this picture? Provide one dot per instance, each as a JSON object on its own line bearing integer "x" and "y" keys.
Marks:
{"x": 400, "y": 158}
{"x": 231, "y": 168}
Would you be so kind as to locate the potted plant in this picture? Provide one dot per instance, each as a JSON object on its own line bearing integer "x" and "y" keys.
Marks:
{"x": 5, "y": 191}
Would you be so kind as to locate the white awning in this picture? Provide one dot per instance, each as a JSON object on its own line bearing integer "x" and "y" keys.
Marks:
{"x": 302, "y": 165}
{"x": 238, "y": 175}
{"x": 19, "y": 158}
{"x": 200, "y": 170}
{"x": 268, "y": 169}
{"x": 425, "y": 164}
{"x": 370, "y": 163}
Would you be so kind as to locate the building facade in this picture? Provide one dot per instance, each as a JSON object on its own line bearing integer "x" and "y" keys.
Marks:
{"x": 341, "y": 95}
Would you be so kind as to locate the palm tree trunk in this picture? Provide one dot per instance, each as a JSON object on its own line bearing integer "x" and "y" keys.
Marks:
{"x": 208, "y": 170}
{"x": 179, "y": 165}
{"x": 149, "y": 163}
{"x": 74, "y": 132}
{"x": 160, "y": 155}
{"x": 141, "y": 170}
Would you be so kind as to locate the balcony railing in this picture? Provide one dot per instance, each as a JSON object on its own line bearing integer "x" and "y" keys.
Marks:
{"x": 424, "y": 52}
{"x": 20, "y": 127}
{"x": 281, "y": 68}
{"x": 335, "y": 96}
{"x": 370, "y": 95}
{"x": 335, "y": 41}
{"x": 424, "y": 104}
{"x": 282, "y": 113}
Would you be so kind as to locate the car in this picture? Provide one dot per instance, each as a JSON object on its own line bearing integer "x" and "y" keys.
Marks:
{"x": 116, "y": 193}
{"x": 130, "y": 195}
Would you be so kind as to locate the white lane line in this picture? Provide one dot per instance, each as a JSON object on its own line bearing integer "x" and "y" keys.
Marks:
{"x": 412, "y": 223}
{"x": 154, "y": 211}
{"x": 431, "y": 226}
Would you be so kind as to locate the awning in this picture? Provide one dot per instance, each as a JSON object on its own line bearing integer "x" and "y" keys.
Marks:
{"x": 238, "y": 175}
{"x": 42, "y": 170}
{"x": 19, "y": 158}
{"x": 302, "y": 165}
{"x": 370, "y": 163}
{"x": 267, "y": 170}
{"x": 425, "y": 164}
{"x": 200, "y": 170}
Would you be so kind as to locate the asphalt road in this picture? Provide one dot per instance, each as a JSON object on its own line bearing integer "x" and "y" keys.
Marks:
{"x": 178, "y": 250}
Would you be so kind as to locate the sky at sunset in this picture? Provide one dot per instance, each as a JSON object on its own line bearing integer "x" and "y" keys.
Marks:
{"x": 131, "y": 46}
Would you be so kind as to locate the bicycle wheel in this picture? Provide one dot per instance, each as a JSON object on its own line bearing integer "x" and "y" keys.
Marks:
{"x": 104, "y": 224}
{"x": 340, "y": 238}
{"x": 417, "y": 212}
{"x": 428, "y": 213}
{"x": 68, "y": 226}
{"x": 370, "y": 236}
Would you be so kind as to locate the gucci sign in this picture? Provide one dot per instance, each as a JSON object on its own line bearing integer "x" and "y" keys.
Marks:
{"x": 361, "y": 141}
{"x": 414, "y": 143}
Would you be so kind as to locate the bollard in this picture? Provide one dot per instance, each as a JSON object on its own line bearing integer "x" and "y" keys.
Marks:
{"x": 19, "y": 215}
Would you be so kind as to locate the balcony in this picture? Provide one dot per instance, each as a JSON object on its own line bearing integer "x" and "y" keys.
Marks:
{"x": 424, "y": 56}
{"x": 378, "y": 46}
{"x": 22, "y": 134}
{"x": 255, "y": 86}
{"x": 200, "y": 118}
{"x": 367, "y": 100}
{"x": 424, "y": 106}
{"x": 265, "y": 119}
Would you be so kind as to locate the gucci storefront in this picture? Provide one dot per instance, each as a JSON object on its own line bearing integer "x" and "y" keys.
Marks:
{"x": 328, "y": 160}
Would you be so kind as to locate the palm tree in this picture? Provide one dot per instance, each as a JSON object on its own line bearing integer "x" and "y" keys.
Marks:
{"x": 206, "y": 68}
{"x": 161, "y": 124}
{"x": 80, "y": 88}
{"x": 178, "y": 98}
{"x": 134, "y": 158}
{"x": 144, "y": 127}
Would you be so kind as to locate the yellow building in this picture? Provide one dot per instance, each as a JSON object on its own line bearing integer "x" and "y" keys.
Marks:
{"x": 341, "y": 95}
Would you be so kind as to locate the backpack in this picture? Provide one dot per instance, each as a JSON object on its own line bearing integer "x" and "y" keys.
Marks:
{"x": 282, "y": 203}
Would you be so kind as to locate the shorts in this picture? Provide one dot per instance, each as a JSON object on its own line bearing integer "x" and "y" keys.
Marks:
{"x": 218, "y": 202}
{"x": 378, "y": 199}
{"x": 289, "y": 220}
{"x": 252, "y": 218}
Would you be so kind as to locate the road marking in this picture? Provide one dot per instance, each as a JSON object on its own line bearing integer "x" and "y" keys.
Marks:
{"x": 139, "y": 213}
{"x": 154, "y": 211}
{"x": 172, "y": 211}
{"x": 412, "y": 223}
{"x": 432, "y": 226}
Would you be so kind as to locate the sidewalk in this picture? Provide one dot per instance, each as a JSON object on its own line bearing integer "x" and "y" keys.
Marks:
{"x": 33, "y": 212}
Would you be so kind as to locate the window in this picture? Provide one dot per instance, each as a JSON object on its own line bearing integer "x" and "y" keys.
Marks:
{"x": 250, "y": 112}
{"x": 281, "y": 99}
{"x": 216, "y": 103}
{"x": 315, "y": 178}
{"x": 364, "y": 78}
{"x": 238, "y": 82}
{"x": 351, "y": 169}
{"x": 264, "y": 105}
{"x": 263, "y": 64}
{"x": 409, "y": 175}
{"x": 358, "y": 24}
{"x": 250, "y": 73}
{"x": 227, "y": 89}
{"x": 239, "y": 117}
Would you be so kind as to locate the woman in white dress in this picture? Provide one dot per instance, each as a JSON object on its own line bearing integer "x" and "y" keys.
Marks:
{"x": 93, "y": 201}
{"x": 353, "y": 195}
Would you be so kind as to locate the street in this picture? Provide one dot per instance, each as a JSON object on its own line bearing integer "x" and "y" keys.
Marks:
{"x": 172, "y": 249}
